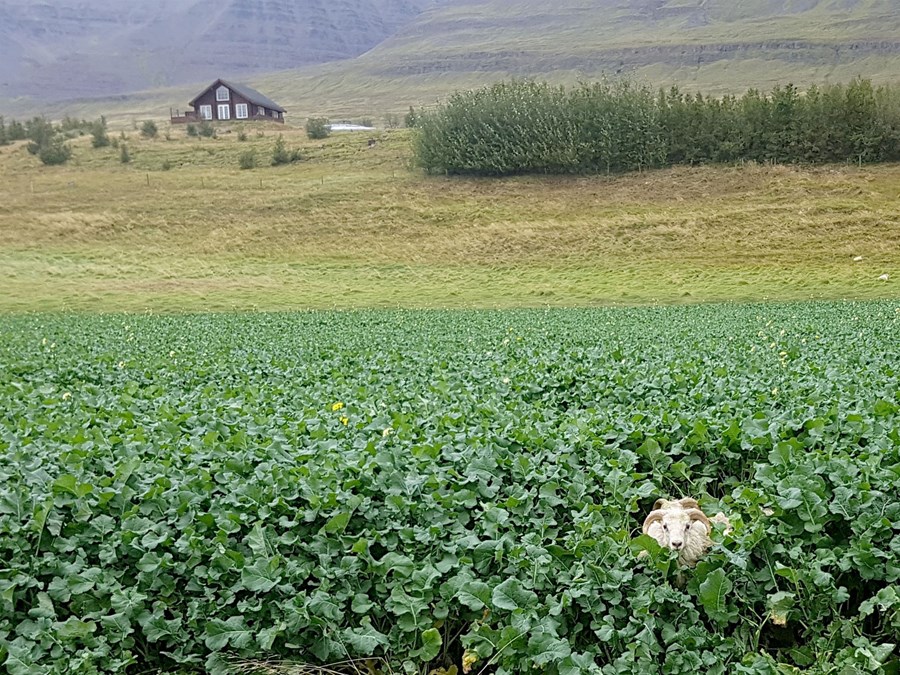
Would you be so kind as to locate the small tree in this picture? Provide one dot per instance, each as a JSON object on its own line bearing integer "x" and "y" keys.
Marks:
{"x": 55, "y": 152}
{"x": 392, "y": 120}
{"x": 40, "y": 131}
{"x": 191, "y": 130}
{"x": 317, "y": 128}
{"x": 124, "y": 157}
{"x": 99, "y": 137}
{"x": 149, "y": 129}
{"x": 280, "y": 155}
{"x": 411, "y": 119}
{"x": 3, "y": 138}
{"x": 16, "y": 131}
{"x": 242, "y": 135}
{"x": 206, "y": 129}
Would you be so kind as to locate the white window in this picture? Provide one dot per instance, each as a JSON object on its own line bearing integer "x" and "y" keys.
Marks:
{"x": 274, "y": 113}
{"x": 261, "y": 111}
{"x": 206, "y": 112}
{"x": 224, "y": 112}
{"x": 240, "y": 111}
{"x": 222, "y": 94}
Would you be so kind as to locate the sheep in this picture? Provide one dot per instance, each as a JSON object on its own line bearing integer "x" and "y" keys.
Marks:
{"x": 681, "y": 526}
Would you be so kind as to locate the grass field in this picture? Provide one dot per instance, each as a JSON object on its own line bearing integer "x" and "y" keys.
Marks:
{"x": 352, "y": 226}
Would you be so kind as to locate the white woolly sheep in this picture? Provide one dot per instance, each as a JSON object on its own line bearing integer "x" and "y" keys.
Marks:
{"x": 681, "y": 526}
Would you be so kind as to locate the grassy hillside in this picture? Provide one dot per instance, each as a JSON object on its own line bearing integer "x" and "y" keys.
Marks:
{"x": 355, "y": 227}
{"x": 715, "y": 45}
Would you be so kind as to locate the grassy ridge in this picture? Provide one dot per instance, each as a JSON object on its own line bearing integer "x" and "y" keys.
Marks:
{"x": 355, "y": 227}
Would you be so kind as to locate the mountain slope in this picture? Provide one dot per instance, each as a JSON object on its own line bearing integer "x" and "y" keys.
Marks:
{"x": 78, "y": 48}
{"x": 441, "y": 45}
{"x": 528, "y": 36}
{"x": 714, "y": 45}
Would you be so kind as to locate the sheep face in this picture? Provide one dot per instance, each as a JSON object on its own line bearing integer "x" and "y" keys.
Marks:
{"x": 683, "y": 530}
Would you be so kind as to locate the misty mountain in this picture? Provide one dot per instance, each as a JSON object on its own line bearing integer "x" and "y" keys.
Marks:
{"x": 71, "y": 48}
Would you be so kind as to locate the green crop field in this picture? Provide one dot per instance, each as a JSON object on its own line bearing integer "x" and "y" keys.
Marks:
{"x": 450, "y": 491}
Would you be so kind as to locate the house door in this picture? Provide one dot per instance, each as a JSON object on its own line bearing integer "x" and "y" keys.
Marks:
{"x": 224, "y": 111}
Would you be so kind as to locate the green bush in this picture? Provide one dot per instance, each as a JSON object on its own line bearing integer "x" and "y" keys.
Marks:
{"x": 247, "y": 160}
{"x": 281, "y": 155}
{"x": 527, "y": 127}
{"x": 99, "y": 136}
{"x": 149, "y": 129}
{"x": 55, "y": 152}
{"x": 242, "y": 135}
{"x": 191, "y": 130}
{"x": 206, "y": 129}
{"x": 124, "y": 155}
{"x": 16, "y": 131}
{"x": 317, "y": 128}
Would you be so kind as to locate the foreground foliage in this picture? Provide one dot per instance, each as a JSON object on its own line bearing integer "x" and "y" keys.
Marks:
{"x": 529, "y": 127}
{"x": 441, "y": 488}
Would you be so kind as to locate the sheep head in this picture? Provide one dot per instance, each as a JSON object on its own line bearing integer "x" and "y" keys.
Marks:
{"x": 685, "y": 530}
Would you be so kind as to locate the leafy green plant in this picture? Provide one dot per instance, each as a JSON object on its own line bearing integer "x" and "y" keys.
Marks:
{"x": 450, "y": 489}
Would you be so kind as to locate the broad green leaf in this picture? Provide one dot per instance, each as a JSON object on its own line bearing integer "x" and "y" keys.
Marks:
{"x": 474, "y": 594}
{"x": 511, "y": 595}
{"x": 431, "y": 644}
{"x": 337, "y": 523}
{"x": 231, "y": 632}
{"x": 713, "y": 595}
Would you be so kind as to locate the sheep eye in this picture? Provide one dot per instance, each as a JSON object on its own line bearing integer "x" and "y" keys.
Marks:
{"x": 666, "y": 528}
{"x": 687, "y": 527}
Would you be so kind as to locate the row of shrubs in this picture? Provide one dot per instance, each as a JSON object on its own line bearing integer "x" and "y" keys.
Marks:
{"x": 48, "y": 140}
{"x": 618, "y": 126}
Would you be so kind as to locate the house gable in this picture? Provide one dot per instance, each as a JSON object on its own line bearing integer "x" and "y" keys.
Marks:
{"x": 224, "y": 100}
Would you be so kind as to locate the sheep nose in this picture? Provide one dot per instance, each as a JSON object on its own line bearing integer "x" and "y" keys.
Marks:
{"x": 677, "y": 545}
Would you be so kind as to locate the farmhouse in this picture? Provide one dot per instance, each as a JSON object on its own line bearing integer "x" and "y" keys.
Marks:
{"x": 223, "y": 100}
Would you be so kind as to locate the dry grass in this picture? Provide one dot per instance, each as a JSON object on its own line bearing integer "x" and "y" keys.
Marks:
{"x": 353, "y": 226}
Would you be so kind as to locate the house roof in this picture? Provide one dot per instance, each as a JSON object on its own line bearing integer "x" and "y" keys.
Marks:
{"x": 247, "y": 92}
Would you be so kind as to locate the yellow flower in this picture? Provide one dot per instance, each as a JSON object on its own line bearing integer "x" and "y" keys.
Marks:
{"x": 469, "y": 659}
{"x": 66, "y": 396}
{"x": 337, "y": 406}
{"x": 387, "y": 432}
{"x": 345, "y": 420}
{"x": 172, "y": 353}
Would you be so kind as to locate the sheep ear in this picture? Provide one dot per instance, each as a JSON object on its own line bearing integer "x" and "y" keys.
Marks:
{"x": 655, "y": 516}
{"x": 659, "y": 504}
{"x": 697, "y": 514}
{"x": 688, "y": 503}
